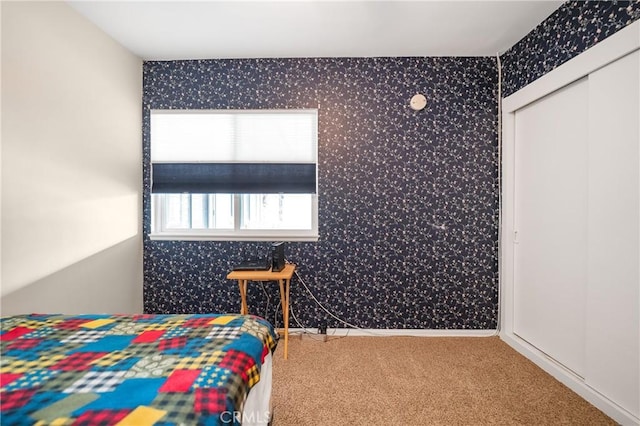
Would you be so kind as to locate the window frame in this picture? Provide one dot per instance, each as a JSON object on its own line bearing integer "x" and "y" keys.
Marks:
{"x": 159, "y": 232}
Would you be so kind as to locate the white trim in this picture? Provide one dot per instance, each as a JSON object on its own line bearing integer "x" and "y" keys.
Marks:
{"x": 166, "y": 236}
{"x": 377, "y": 332}
{"x": 233, "y": 111}
{"x": 158, "y": 231}
{"x": 618, "y": 45}
{"x": 506, "y": 264}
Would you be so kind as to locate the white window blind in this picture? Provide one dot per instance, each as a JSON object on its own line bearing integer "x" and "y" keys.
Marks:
{"x": 282, "y": 136}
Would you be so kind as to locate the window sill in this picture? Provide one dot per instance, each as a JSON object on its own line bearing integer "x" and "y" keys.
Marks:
{"x": 166, "y": 236}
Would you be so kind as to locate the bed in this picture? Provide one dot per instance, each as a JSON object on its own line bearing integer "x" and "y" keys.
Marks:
{"x": 135, "y": 369}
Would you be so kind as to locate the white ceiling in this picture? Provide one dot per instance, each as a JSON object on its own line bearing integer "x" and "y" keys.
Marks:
{"x": 165, "y": 30}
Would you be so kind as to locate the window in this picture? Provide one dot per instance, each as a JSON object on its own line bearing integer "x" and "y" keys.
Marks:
{"x": 234, "y": 175}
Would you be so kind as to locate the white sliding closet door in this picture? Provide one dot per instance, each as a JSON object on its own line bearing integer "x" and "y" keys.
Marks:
{"x": 613, "y": 290}
{"x": 570, "y": 261}
{"x": 550, "y": 254}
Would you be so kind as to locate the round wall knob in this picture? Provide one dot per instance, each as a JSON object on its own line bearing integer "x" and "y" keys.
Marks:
{"x": 418, "y": 102}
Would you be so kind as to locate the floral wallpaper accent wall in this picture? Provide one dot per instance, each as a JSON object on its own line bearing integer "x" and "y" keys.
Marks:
{"x": 408, "y": 200}
{"x": 569, "y": 31}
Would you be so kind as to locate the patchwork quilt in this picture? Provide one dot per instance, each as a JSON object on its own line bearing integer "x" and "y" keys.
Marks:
{"x": 129, "y": 369}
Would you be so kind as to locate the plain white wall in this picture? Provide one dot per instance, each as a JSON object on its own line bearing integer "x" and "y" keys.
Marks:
{"x": 0, "y": 158}
{"x": 71, "y": 164}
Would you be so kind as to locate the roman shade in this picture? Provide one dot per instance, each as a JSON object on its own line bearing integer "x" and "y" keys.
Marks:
{"x": 234, "y": 178}
{"x": 211, "y": 151}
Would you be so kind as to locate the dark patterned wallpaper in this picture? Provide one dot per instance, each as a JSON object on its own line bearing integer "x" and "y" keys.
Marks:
{"x": 407, "y": 200}
{"x": 569, "y": 31}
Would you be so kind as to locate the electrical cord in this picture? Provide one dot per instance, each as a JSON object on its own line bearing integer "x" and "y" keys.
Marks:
{"x": 322, "y": 306}
{"x": 310, "y": 333}
{"x": 266, "y": 309}
{"x": 315, "y": 299}
{"x": 275, "y": 315}
{"x": 304, "y": 329}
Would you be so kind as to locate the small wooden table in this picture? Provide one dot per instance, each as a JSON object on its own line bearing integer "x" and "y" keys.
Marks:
{"x": 284, "y": 279}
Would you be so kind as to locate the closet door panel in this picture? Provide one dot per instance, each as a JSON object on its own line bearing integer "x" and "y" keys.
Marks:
{"x": 551, "y": 223}
{"x": 613, "y": 290}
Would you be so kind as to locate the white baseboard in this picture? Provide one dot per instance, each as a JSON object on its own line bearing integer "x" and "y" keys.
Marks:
{"x": 398, "y": 332}
{"x": 572, "y": 381}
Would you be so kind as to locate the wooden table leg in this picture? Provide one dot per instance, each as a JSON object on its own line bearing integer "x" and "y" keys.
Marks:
{"x": 246, "y": 303}
{"x": 244, "y": 309}
{"x": 285, "y": 316}
{"x": 287, "y": 285}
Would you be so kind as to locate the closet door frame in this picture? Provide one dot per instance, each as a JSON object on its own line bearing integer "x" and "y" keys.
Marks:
{"x": 609, "y": 50}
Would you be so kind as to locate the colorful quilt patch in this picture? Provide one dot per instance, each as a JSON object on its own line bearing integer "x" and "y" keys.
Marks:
{"x": 152, "y": 366}
{"x": 16, "y": 365}
{"x": 252, "y": 376}
{"x": 24, "y": 344}
{"x": 127, "y": 328}
{"x": 236, "y": 361}
{"x": 12, "y": 400}
{"x": 212, "y": 376}
{"x": 60, "y": 421}
{"x": 236, "y": 386}
{"x": 214, "y": 345}
{"x": 63, "y": 407}
{"x": 122, "y": 365}
{"x": 41, "y": 332}
{"x": 175, "y": 332}
{"x": 77, "y": 361}
{"x": 173, "y": 343}
{"x": 26, "y": 355}
{"x": 210, "y": 400}
{"x": 190, "y": 347}
{"x": 62, "y": 380}
{"x": 39, "y": 399}
{"x": 258, "y": 332}
{"x": 198, "y": 322}
{"x": 70, "y": 323}
{"x": 197, "y": 363}
{"x": 100, "y": 417}
{"x": 168, "y": 325}
{"x": 224, "y": 333}
{"x": 129, "y": 369}
{"x": 148, "y": 336}
{"x": 128, "y": 394}
{"x": 97, "y": 381}
{"x": 111, "y": 358}
{"x": 15, "y": 333}
{"x": 50, "y": 346}
{"x": 178, "y": 408}
{"x": 31, "y": 379}
{"x": 7, "y": 378}
{"x": 144, "y": 349}
{"x": 98, "y": 323}
{"x": 107, "y": 344}
{"x": 142, "y": 416}
{"x": 223, "y": 320}
{"x": 36, "y": 323}
{"x": 142, "y": 318}
{"x": 180, "y": 381}
{"x": 84, "y": 336}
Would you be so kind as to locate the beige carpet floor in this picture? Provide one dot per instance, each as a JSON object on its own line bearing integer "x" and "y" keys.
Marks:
{"x": 419, "y": 381}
